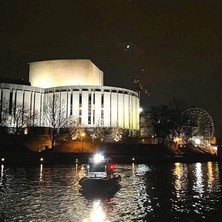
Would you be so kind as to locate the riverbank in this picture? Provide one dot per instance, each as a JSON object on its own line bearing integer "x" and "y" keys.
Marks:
{"x": 120, "y": 153}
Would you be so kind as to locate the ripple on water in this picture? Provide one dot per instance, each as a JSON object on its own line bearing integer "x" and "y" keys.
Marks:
{"x": 146, "y": 193}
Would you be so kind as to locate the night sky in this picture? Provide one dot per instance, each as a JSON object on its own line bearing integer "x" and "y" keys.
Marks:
{"x": 174, "y": 46}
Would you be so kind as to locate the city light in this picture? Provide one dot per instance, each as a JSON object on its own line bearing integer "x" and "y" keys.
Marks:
{"x": 197, "y": 141}
{"x": 177, "y": 139}
{"x": 83, "y": 134}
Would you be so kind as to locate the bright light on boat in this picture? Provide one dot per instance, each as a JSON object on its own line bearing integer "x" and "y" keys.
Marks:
{"x": 98, "y": 158}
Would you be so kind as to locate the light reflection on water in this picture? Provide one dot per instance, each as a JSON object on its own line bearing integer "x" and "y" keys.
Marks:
{"x": 147, "y": 192}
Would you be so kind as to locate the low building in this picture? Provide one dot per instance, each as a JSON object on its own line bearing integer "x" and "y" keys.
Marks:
{"x": 78, "y": 86}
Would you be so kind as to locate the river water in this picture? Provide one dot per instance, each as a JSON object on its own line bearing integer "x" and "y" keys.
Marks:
{"x": 147, "y": 192}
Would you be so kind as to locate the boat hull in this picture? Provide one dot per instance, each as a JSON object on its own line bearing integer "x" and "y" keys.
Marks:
{"x": 91, "y": 182}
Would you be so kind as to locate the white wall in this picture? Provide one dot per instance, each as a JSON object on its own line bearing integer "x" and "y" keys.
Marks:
{"x": 107, "y": 113}
{"x": 120, "y": 108}
{"x": 97, "y": 109}
{"x": 85, "y": 107}
{"x": 57, "y": 73}
{"x": 114, "y": 109}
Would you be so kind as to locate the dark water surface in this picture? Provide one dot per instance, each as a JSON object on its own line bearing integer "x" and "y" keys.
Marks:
{"x": 147, "y": 192}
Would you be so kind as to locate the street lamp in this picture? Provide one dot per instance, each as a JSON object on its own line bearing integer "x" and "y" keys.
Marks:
{"x": 82, "y": 136}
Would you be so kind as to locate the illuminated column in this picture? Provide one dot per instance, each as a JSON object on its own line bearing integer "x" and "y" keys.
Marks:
{"x": 106, "y": 108}
{"x": 32, "y": 105}
{"x": 64, "y": 104}
{"x": 6, "y": 95}
{"x": 68, "y": 103}
{"x": 19, "y": 98}
{"x": 134, "y": 112}
{"x": 47, "y": 107}
{"x": 92, "y": 108}
{"x": 85, "y": 105}
{"x": 41, "y": 112}
{"x": 131, "y": 111}
{"x": 113, "y": 109}
{"x": 75, "y": 105}
{"x": 5, "y": 99}
{"x": 120, "y": 110}
{"x": 97, "y": 108}
{"x": 126, "y": 111}
{"x": 27, "y": 101}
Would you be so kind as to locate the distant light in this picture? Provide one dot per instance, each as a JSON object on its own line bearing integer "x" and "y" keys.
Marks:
{"x": 26, "y": 131}
{"x": 214, "y": 147}
{"x": 88, "y": 166}
{"x": 3, "y": 159}
{"x": 197, "y": 141}
{"x": 177, "y": 139}
{"x": 98, "y": 157}
{"x": 83, "y": 134}
{"x": 41, "y": 159}
{"x": 128, "y": 46}
{"x": 140, "y": 110}
{"x": 133, "y": 158}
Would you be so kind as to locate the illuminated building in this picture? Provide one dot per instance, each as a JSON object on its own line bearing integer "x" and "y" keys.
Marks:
{"x": 78, "y": 84}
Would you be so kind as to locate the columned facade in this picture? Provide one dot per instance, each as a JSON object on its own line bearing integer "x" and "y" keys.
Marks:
{"x": 91, "y": 105}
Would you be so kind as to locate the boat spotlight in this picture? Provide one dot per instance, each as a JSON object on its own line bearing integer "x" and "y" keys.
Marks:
{"x": 98, "y": 157}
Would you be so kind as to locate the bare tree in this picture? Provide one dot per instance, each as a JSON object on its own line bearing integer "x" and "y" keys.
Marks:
{"x": 117, "y": 134}
{"x": 63, "y": 128}
{"x": 4, "y": 114}
{"x": 161, "y": 119}
{"x": 97, "y": 133}
{"x": 16, "y": 118}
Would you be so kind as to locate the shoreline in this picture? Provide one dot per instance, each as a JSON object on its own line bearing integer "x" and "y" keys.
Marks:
{"x": 50, "y": 158}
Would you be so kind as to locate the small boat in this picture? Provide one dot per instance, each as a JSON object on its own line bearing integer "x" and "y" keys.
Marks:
{"x": 100, "y": 173}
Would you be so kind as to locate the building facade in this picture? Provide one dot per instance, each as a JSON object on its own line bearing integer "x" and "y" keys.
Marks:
{"x": 78, "y": 85}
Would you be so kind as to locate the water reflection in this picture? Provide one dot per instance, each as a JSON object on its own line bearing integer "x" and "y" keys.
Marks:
{"x": 2, "y": 174}
{"x": 98, "y": 214}
{"x": 161, "y": 192}
{"x": 210, "y": 181}
{"x": 178, "y": 182}
{"x": 198, "y": 185}
{"x": 40, "y": 173}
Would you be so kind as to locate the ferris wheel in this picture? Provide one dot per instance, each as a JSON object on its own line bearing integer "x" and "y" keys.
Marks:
{"x": 202, "y": 122}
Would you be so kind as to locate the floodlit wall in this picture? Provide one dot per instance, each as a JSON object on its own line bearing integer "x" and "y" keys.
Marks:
{"x": 54, "y": 73}
{"x": 102, "y": 106}
{"x": 25, "y": 97}
{"x": 78, "y": 85}
{"x": 90, "y": 106}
